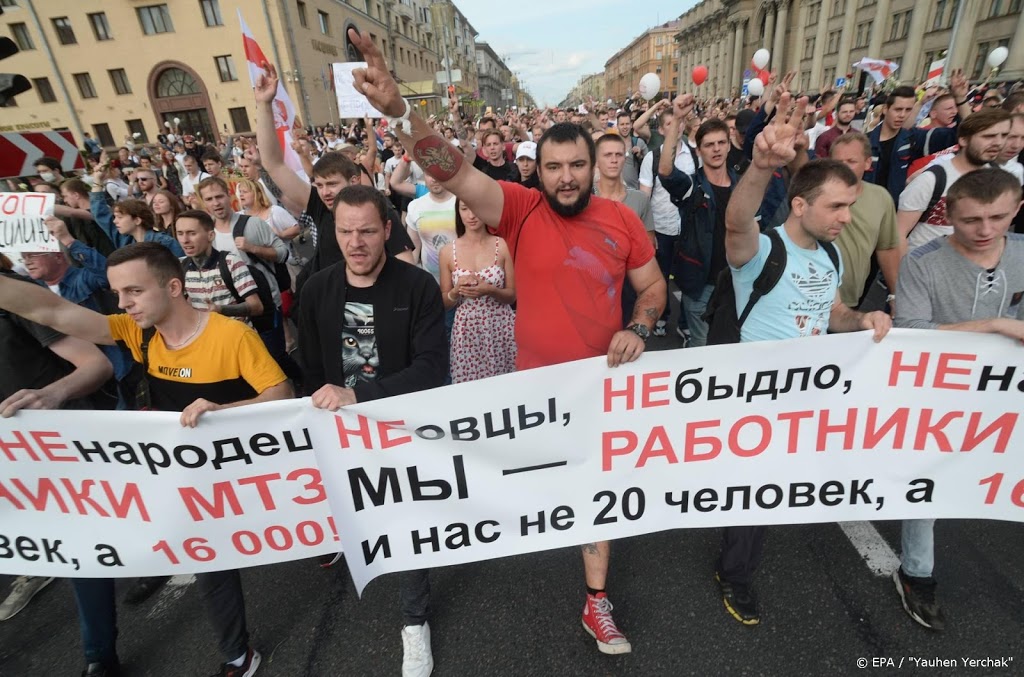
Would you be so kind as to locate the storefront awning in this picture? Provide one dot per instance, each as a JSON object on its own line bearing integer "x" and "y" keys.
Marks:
{"x": 424, "y": 89}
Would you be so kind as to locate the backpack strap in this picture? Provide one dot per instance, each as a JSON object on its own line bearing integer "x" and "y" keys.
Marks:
{"x": 239, "y": 228}
{"x": 143, "y": 400}
{"x": 225, "y": 275}
{"x": 770, "y": 275}
{"x": 939, "y": 191}
{"x": 833, "y": 253}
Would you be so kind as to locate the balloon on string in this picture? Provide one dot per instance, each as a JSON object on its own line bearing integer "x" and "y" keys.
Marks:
{"x": 755, "y": 87}
{"x": 650, "y": 85}
{"x": 700, "y": 74}
{"x": 761, "y": 58}
{"x": 997, "y": 56}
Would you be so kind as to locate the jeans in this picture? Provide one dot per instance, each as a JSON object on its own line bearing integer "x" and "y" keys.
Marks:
{"x": 694, "y": 309}
{"x": 664, "y": 254}
{"x": 222, "y": 596}
{"x": 742, "y": 548}
{"x": 918, "y": 547}
{"x": 414, "y": 596}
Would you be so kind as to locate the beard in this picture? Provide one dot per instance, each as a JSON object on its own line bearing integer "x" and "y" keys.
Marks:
{"x": 571, "y": 210}
{"x": 973, "y": 158}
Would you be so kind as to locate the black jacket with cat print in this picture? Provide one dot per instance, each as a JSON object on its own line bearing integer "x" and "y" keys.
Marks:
{"x": 408, "y": 318}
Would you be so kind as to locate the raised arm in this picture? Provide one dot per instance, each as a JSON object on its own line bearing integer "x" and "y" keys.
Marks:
{"x": 271, "y": 153}
{"x": 640, "y": 126}
{"x": 774, "y": 147}
{"x": 432, "y": 151}
{"x": 42, "y": 306}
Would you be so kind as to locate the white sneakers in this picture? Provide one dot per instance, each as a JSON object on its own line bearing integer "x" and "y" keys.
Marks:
{"x": 23, "y": 589}
{"x": 417, "y": 660}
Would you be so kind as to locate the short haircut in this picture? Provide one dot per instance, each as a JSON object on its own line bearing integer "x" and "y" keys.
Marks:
{"x": 855, "y": 138}
{"x": 210, "y": 182}
{"x": 978, "y": 122}
{"x": 567, "y": 132}
{"x": 160, "y": 260}
{"x": 76, "y": 185}
{"x": 710, "y": 127}
{"x": 1014, "y": 100}
{"x": 809, "y": 182}
{"x": 487, "y": 120}
{"x": 943, "y": 97}
{"x": 901, "y": 92}
{"x": 335, "y": 162}
{"x": 49, "y": 162}
{"x": 609, "y": 137}
{"x": 623, "y": 114}
{"x": 357, "y": 196}
{"x": 137, "y": 209}
{"x": 211, "y": 154}
{"x": 984, "y": 185}
{"x": 204, "y": 219}
{"x": 846, "y": 102}
{"x": 489, "y": 133}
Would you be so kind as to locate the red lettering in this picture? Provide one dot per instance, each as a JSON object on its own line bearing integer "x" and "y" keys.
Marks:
{"x": 49, "y": 448}
{"x": 46, "y": 490}
{"x": 261, "y": 483}
{"x": 609, "y": 450}
{"x": 649, "y": 388}
{"x": 919, "y": 370}
{"x": 362, "y": 432}
{"x": 383, "y": 430}
{"x": 942, "y": 370}
{"x": 734, "y": 436}
{"x": 794, "y": 418}
{"x": 664, "y": 448}
{"x": 627, "y": 393}
{"x": 22, "y": 443}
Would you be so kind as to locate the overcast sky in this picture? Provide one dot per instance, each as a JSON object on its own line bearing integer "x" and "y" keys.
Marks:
{"x": 551, "y": 43}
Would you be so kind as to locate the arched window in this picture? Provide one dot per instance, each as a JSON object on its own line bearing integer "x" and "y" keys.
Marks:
{"x": 176, "y": 82}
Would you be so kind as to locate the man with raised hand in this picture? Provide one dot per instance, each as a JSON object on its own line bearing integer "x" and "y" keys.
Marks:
{"x": 804, "y": 303}
{"x": 572, "y": 251}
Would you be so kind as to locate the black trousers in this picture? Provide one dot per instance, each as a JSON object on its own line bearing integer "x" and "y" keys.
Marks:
{"x": 414, "y": 594}
{"x": 742, "y": 548}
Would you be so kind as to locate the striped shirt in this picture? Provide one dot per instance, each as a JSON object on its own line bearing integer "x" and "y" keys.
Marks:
{"x": 205, "y": 287}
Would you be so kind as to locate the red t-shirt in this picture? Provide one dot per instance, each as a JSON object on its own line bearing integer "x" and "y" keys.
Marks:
{"x": 569, "y": 274}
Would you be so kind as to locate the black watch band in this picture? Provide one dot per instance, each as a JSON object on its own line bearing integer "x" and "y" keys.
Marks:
{"x": 640, "y": 330}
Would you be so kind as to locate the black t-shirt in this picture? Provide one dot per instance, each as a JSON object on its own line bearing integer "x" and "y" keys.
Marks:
{"x": 499, "y": 173}
{"x": 88, "y": 233}
{"x": 360, "y": 359}
{"x": 327, "y": 251}
{"x": 737, "y": 160}
{"x": 718, "y": 260}
{"x": 386, "y": 155}
{"x": 884, "y": 162}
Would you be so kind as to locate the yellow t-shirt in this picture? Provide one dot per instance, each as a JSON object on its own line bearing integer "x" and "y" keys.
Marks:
{"x": 226, "y": 363}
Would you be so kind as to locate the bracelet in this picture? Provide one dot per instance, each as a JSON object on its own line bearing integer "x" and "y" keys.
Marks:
{"x": 960, "y": 103}
{"x": 449, "y": 295}
{"x": 402, "y": 122}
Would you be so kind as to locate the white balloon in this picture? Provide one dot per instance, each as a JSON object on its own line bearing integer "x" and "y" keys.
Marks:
{"x": 755, "y": 87}
{"x": 136, "y": 135}
{"x": 167, "y": 124}
{"x": 650, "y": 85}
{"x": 761, "y": 58}
{"x": 997, "y": 56}
{"x": 177, "y": 121}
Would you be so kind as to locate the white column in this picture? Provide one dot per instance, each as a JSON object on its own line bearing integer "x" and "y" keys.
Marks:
{"x": 911, "y": 63}
{"x": 779, "y": 44}
{"x": 797, "y": 57}
{"x": 819, "y": 44}
{"x": 1013, "y": 69}
{"x": 878, "y": 25}
{"x": 769, "y": 28}
{"x": 736, "y": 72}
{"x": 846, "y": 40}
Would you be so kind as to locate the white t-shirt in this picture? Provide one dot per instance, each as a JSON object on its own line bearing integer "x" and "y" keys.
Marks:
{"x": 916, "y": 196}
{"x": 188, "y": 185}
{"x": 1014, "y": 167}
{"x": 280, "y": 220}
{"x": 666, "y": 214}
{"x": 434, "y": 223}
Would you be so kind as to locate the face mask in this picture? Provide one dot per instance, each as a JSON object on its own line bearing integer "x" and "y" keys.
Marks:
{"x": 47, "y": 176}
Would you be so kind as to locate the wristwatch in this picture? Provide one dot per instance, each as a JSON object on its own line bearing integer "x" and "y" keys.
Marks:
{"x": 640, "y": 330}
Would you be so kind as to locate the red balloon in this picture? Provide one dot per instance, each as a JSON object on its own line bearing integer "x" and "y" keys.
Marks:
{"x": 700, "y": 74}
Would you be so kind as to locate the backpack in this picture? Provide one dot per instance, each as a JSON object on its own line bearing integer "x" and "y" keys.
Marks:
{"x": 938, "y": 192}
{"x": 279, "y": 271}
{"x": 260, "y": 323}
{"x": 724, "y": 324}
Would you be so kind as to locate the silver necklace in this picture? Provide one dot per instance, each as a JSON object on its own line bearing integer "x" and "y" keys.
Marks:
{"x": 175, "y": 346}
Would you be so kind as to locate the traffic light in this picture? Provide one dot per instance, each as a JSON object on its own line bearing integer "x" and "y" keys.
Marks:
{"x": 11, "y": 85}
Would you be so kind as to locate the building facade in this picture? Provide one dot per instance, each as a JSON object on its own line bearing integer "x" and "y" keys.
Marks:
{"x": 654, "y": 51}
{"x": 494, "y": 78}
{"x": 115, "y": 68}
{"x": 822, "y": 39}
{"x": 456, "y": 43}
{"x": 589, "y": 86}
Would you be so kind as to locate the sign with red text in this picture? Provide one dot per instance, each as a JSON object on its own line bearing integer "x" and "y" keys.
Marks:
{"x": 90, "y": 494}
{"x": 833, "y": 428}
{"x": 21, "y": 223}
{"x": 825, "y": 429}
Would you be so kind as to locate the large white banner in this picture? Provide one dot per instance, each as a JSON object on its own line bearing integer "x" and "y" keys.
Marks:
{"x": 838, "y": 428}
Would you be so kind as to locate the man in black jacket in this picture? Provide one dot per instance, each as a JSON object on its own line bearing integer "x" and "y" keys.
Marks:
{"x": 372, "y": 326}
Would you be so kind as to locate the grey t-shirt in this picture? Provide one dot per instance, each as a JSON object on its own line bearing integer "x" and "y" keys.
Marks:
{"x": 937, "y": 285}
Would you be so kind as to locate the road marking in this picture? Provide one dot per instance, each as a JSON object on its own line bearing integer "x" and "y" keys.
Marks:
{"x": 174, "y": 589}
{"x": 877, "y": 554}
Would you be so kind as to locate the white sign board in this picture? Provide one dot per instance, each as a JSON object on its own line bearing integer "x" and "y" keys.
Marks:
{"x": 442, "y": 76}
{"x": 21, "y": 223}
{"x": 351, "y": 104}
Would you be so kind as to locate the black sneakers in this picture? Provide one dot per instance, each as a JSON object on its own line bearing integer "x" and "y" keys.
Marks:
{"x": 246, "y": 669}
{"x": 100, "y": 669}
{"x": 143, "y": 589}
{"x": 739, "y": 601}
{"x": 918, "y": 596}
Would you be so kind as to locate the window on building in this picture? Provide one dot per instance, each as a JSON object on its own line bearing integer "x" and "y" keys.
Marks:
{"x": 22, "y": 37}
{"x": 120, "y": 81}
{"x": 155, "y": 19}
{"x": 939, "y": 21}
{"x": 996, "y": 8}
{"x": 813, "y": 13}
{"x": 833, "y": 41}
{"x": 980, "y": 61}
{"x": 863, "y": 34}
{"x": 100, "y": 27}
{"x": 65, "y": 34}
{"x": 809, "y": 48}
{"x": 300, "y": 8}
{"x": 85, "y": 88}
{"x": 44, "y": 90}
{"x": 900, "y": 25}
{"x": 240, "y": 120}
{"x": 211, "y": 12}
{"x": 176, "y": 82}
{"x": 926, "y": 64}
{"x": 867, "y": 3}
{"x": 103, "y": 135}
{"x": 226, "y": 68}
{"x": 136, "y": 127}
{"x": 838, "y": 8}
{"x": 325, "y": 22}
{"x": 8, "y": 3}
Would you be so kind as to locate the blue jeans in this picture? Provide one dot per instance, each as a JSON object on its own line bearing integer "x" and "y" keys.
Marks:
{"x": 918, "y": 547}
{"x": 664, "y": 254}
{"x": 693, "y": 310}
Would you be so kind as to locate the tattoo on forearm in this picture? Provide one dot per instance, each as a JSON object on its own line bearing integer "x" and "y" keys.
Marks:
{"x": 235, "y": 310}
{"x": 438, "y": 157}
{"x": 590, "y": 548}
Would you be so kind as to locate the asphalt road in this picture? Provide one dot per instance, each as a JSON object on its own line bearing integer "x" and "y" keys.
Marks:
{"x": 823, "y": 608}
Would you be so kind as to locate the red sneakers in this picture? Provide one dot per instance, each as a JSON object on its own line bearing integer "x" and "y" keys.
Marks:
{"x": 597, "y": 620}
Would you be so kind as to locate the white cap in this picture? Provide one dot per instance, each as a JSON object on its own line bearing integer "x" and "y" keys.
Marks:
{"x": 527, "y": 149}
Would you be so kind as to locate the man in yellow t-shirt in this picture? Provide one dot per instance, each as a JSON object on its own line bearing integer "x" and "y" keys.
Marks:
{"x": 196, "y": 362}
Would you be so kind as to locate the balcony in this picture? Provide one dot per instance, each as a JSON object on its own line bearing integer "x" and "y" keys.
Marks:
{"x": 405, "y": 11}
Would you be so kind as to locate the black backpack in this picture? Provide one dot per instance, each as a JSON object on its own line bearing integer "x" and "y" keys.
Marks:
{"x": 260, "y": 323}
{"x": 938, "y": 192}
{"x": 724, "y": 324}
{"x": 279, "y": 270}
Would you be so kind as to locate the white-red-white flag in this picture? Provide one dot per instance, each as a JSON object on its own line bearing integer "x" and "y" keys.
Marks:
{"x": 935, "y": 71}
{"x": 284, "y": 112}
{"x": 878, "y": 69}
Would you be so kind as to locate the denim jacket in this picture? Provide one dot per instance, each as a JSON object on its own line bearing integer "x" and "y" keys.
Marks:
{"x": 104, "y": 216}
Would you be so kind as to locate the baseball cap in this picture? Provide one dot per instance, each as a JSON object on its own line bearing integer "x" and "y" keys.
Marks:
{"x": 743, "y": 120}
{"x": 527, "y": 149}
